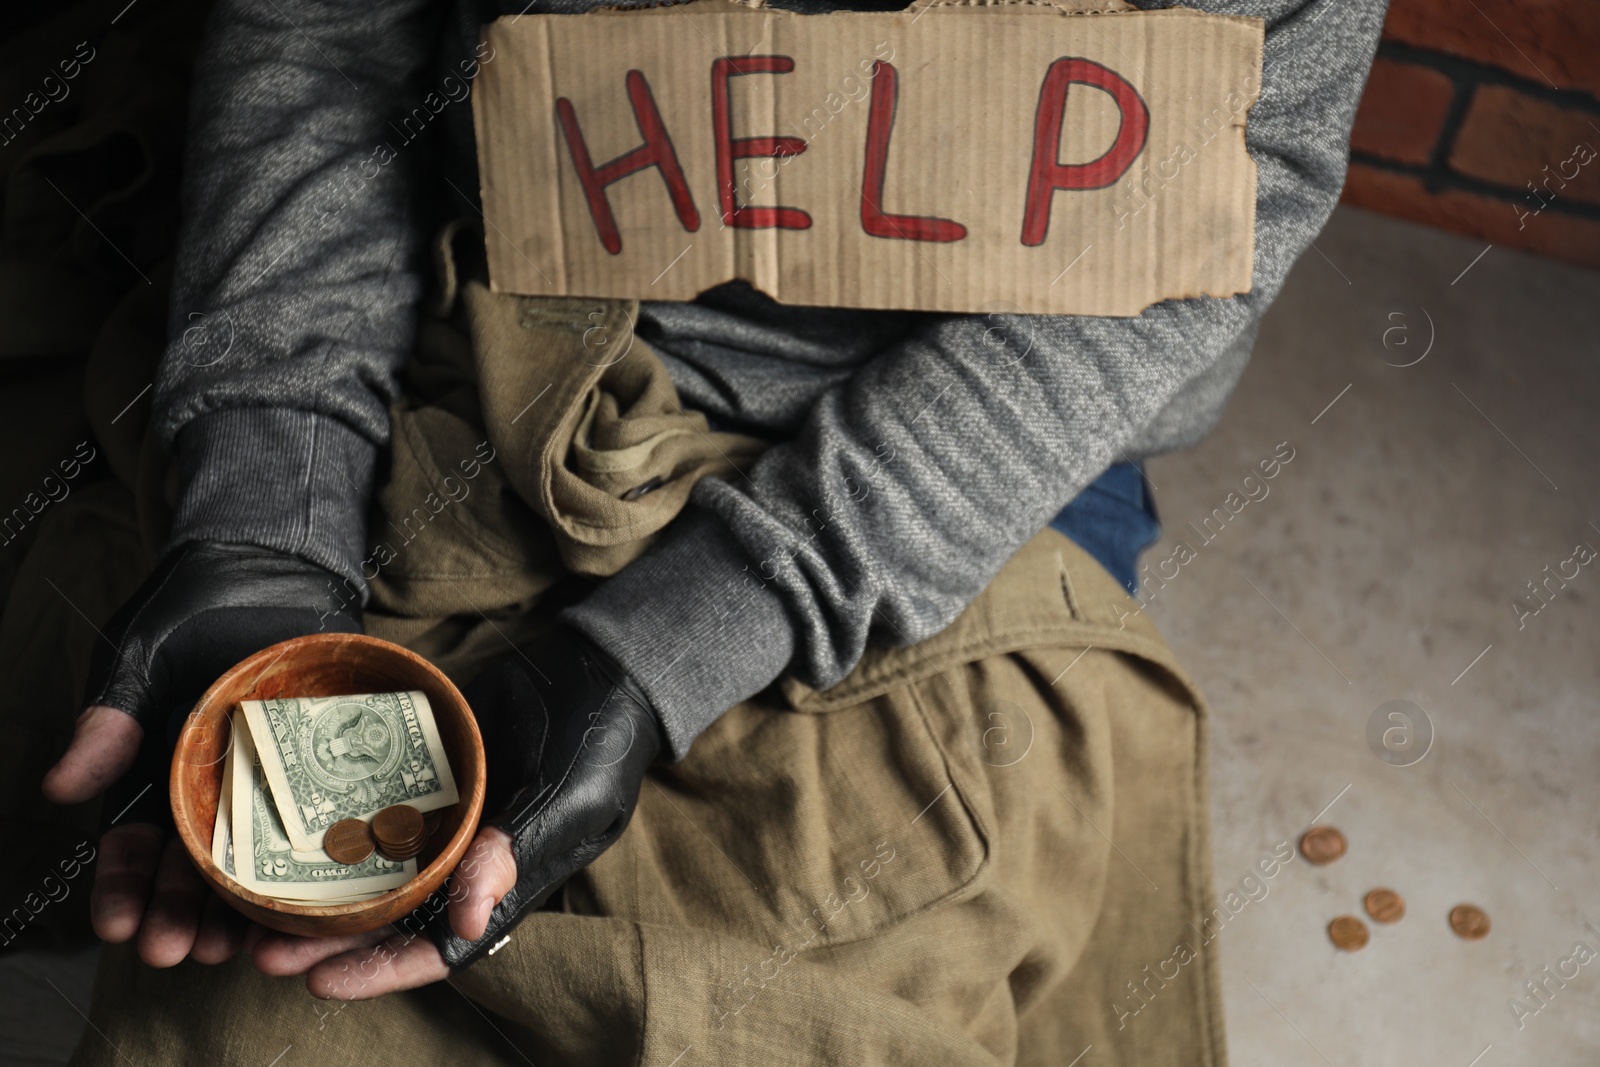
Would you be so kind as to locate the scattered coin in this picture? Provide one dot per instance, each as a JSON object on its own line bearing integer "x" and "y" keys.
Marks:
{"x": 1348, "y": 933}
{"x": 348, "y": 841}
{"x": 400, "y": 831}
{"x": 1469, "y": 921}
{"x": 1322, "y": 844}
{"x": 1385, "y": 905}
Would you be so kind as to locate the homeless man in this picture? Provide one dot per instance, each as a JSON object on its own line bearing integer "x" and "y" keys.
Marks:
{"x": 904, "y": 775}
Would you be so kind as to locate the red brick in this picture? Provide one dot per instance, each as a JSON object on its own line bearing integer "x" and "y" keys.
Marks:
{"x": 1549, "y": 41}
{"x": 1511, "y": 139}
{"x": 1558, "y": 236}
{"x": 1402, "y": 112}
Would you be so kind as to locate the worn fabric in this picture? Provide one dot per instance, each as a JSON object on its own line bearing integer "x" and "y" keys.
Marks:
{"x": 962, "y": 855}
{"x": 312, "y": 162}
{"x": 540, "y": 438}
{"x": 539, "y": 442}
{"x": 589, "y": 423}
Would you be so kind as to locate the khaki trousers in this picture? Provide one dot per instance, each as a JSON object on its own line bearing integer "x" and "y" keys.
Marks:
{"x": 987, "y": 848}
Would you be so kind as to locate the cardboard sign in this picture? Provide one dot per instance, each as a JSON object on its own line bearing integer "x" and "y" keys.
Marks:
{"x": 946, "y": 158}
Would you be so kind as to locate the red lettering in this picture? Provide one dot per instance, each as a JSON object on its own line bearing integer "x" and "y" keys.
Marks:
{"x": 1048, "y": 173}
{"x": 880, "y": 123}
{"x": 730, "y": 148}
{"x": 657, "y": 151}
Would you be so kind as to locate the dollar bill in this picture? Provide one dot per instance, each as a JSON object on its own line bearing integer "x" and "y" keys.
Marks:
{"x": 266, "y": 859}
{"x": 222, "y": 831}
{"x": 348, "y": 757}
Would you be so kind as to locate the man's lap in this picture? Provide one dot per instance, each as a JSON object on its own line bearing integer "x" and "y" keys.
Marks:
{"x": 914, "y": 866}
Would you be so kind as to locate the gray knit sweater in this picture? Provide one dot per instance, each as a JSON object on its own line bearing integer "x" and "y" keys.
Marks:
{"x": 915, "y": 457}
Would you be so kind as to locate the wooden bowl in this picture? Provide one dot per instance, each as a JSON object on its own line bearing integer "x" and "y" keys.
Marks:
{"x": 326, "y": 665}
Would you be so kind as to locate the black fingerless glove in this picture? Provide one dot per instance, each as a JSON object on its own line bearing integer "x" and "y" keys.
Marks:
{"x": 569, "y": 737}
{"x": 204, "y": 608}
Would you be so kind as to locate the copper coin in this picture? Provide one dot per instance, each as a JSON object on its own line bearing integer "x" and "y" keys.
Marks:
{"x": 1322, "y": 844}
{"x": 1469, "y": 921}
{"x": 400, "y": 850}
{"x": 401, "y": 854}
{"x": 399, "y": 831}
{"x": 1348, "y": 933}
{"x": 431, "y": 822}
{"x": 1386, "y": 906}
{"x": 348, "y": 841}
{"x": 397, "y": 824}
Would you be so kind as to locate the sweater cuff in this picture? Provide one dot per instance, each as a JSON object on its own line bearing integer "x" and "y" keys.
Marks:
{"x": 293, "y": 481}
{"x": 692, "y": 624}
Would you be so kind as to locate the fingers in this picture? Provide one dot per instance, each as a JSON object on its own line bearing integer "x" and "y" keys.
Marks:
{"x": 103, "y": 748}
{"x": 402, "y": 962}
{"x": 128, "y": 856}
{"x": 362, "y": 966}
{"x": 486, "y": 873}
{"x": 278, "y": 954}
{"x": 172, "y": 920}
{"x": 222, "y": 932}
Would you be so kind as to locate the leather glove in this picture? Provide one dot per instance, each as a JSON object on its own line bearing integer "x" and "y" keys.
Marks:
{"x": 568, "y": 737}
{"x": 206, "y": 606}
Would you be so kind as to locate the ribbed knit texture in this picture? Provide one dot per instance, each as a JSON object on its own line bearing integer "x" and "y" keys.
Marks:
{"x": 300, "y": 484}
{"x": 660, "y": 640}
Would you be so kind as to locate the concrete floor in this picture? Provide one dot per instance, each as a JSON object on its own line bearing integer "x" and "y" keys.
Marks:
{"x": 1382, "y": 566}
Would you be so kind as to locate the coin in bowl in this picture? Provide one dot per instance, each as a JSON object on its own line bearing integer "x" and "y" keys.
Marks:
{"x": 348, "y": 841}
{"x": 399, "y": 831}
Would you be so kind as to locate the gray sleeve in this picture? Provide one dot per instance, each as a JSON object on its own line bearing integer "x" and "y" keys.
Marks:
{"x": 913, "y": 483}
{"x": 296, "y": 278}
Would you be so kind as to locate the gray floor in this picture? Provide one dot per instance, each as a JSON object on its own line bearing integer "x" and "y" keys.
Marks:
{"x": 1382, "y": 565}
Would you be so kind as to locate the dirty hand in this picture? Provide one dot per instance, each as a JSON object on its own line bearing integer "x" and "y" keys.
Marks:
{"x": 568, "y": 737}
{"x": 205, "y": 607}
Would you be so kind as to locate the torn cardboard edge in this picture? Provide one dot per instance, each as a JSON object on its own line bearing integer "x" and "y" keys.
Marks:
{"x": 1026, "y": 157}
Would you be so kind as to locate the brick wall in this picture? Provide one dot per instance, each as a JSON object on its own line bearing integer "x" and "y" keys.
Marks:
{"x": 1483, "y": 117}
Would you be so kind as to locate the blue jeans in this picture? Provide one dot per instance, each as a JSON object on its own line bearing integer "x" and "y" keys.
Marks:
{"x": 1114, "y": 519}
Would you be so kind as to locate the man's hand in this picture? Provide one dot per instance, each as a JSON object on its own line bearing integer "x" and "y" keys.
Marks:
{"x": 363, "y": 966}
{"x": 569, "y": 737}
{"x": 206, "y": 607}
